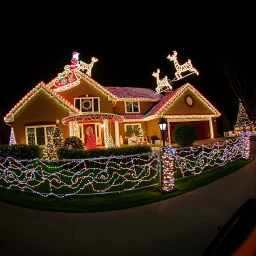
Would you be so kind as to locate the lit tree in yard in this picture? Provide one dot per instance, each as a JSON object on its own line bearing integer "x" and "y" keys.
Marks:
{"x": 49, "y": 152}
{"x": 57, "y": 136}
{"x": 12, "y": 138}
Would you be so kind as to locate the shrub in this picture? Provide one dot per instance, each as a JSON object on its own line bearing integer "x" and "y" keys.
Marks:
{"x": 184, "y": 134}
{"x": 64, "y": 153}
{"x": 73, "y": 142}
{"x": 20, "y": 151}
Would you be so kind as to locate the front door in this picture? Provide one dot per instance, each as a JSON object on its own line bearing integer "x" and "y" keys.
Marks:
{"x": 95, "y": 129}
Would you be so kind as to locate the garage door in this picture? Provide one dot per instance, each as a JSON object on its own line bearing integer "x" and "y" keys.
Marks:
{"x": 202, "y": 129}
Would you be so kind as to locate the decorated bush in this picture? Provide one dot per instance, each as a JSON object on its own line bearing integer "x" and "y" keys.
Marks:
{"x": 184, "y": 134}
{"x": 73, "y": 142}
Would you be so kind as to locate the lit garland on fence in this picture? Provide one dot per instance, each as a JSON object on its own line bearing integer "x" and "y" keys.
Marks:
{"x": 195, "y": 160}
{"x": 168, "y": 169}
{"x": 117, "y": 173}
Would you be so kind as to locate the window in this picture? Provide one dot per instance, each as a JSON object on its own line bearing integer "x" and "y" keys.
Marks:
{"x": 131, "y": 128}
{"x": 132, "y": 107}
{"x": 88, "y": 104}
{"x": 37, "y": 135}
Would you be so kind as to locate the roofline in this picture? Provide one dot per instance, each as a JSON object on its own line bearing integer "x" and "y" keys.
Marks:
{"x": 9, "y": 117}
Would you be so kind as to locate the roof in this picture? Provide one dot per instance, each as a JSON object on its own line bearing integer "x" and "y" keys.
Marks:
{"x": 134, "y": 93}
{"x": 171, "y": 97}
{"x": 132, "y": 116}
{"x": 41, "y": 86}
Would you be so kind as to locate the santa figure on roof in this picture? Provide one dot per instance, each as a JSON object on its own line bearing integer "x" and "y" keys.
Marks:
{"x": 75, "y": 61}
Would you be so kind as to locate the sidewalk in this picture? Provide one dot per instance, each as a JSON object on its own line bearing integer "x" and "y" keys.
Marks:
{"x": 184, "y": 225}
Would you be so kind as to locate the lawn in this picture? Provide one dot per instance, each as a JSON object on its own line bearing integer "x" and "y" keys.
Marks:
{"x": 115, "y": 201}
{"x": 253, "y": 138}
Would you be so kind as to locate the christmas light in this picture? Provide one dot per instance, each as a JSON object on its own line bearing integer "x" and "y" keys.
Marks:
{"x": 164, "y": 84}
{"x": 187, "y": 66}
{"x": 168, "y": 169}
{"x": 88, "y": 67}
{"x": 49, "y": 152}
{"x": 12, "y": 140}
{"x": 81, "y": 176}
{"x": 57, "y": 136}
{"x": 73, "y": 128}
{"x": 38, "y": 88}
{"x": 243, "y": 122}
{"x": 117, "y": 136}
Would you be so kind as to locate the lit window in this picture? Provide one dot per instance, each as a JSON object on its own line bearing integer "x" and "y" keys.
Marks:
{"x": 37, "y": 135}
{"x": 88, "y": 104}
{"x": 131, "y": 129}
{"x": 132, "y": 107}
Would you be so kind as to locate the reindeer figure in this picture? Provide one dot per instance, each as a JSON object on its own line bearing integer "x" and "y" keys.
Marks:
{"x": 187, "y": 66}
{"x": 162, "y": 84}
{"x": 88, "y": 67}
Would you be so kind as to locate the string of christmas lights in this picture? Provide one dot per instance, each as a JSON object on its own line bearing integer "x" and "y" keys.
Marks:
{"x": 195, "y": 160}
{"x": 81, "y": 176}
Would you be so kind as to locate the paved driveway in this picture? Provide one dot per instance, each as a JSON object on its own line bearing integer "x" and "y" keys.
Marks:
{"x": 184, "y": 225}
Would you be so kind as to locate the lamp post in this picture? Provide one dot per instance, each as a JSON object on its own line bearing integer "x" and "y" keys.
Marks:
{"x": 162, "y": 125}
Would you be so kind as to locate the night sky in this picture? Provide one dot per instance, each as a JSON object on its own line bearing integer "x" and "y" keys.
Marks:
{"x": 129, "y": 51}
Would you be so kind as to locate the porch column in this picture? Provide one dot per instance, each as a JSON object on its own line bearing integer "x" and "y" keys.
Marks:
{"x": 106, "y": 133}
{"x": 73, "y": 128}
{"x": 211, "y": 128}
{"x": 117, "y": 135}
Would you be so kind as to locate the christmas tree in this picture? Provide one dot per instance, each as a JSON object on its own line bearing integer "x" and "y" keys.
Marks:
{"x": 57, "y": 136}
{"x": 49, "y": 152}
{"x": 12, "y": 138}
{"x": 140, "y": 133}
{"x": 111, "y": 142}
{"x": 243, "y": 122}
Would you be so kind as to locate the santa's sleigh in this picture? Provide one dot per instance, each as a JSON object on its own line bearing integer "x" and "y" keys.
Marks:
{"x": 65, "y": 80}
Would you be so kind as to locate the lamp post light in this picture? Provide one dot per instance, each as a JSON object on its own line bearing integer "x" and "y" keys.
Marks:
{"x": 162, "y": 125}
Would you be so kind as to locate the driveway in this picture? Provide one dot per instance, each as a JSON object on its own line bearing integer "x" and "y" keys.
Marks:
{"x": 184, "y": 225}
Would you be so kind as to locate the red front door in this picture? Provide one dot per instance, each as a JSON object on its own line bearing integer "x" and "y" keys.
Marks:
{"x": 89, "y": 135}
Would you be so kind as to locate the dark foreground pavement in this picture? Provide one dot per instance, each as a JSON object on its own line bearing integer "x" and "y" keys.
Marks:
{"x": 184, "y": 225}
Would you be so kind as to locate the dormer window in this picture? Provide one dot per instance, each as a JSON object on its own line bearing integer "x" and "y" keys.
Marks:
{"x": 88, "y": 104}
{"x": 132, "y": 107}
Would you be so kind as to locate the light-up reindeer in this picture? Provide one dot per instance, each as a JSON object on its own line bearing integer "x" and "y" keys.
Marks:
{"x": 163, "y": 84}
{"x": 88, "y": 67}
{"x": 187, "y": 66}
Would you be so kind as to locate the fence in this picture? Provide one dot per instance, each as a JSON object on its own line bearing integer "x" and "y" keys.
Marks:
{"x": 82, "y": 176}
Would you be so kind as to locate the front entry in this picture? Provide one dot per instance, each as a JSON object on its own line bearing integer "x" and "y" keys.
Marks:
{"x": 89, "y": 131}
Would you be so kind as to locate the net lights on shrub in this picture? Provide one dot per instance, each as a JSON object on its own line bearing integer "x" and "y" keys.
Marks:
{"x": 246, "y": 145}
{"x": 72, "y": 177}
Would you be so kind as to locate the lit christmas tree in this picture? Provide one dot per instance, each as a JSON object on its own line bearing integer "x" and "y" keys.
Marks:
{"x": 111, "y": 142}
{"x": 140, "y": 133}
{"x": 243, "y": 122}
{"x": 57, "y": 136}
{"x": 49, "y": 152}
{"x": 12, "y": 138}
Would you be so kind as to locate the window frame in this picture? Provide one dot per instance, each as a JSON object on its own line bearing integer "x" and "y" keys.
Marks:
{"x": 38, "y": 126}
{"x": 125, "y": 127}
{"x": 86, "y": 98}
{"x": 132, "y": 107}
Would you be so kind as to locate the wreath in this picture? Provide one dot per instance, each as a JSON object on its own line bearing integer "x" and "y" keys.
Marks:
{"x": 87, "y": 101}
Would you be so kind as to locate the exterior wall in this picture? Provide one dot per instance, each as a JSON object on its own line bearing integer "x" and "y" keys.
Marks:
{"x": 119, "y": 107}
{"x": 181, "y": 108}
{"x": 40, "y": 110}
{"x": 214, "y": 126}
{"x": 153, "y": 128}
{"x": 84, "y": 89}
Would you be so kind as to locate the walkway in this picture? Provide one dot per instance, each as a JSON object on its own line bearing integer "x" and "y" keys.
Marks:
{"x": 183, "y": 225}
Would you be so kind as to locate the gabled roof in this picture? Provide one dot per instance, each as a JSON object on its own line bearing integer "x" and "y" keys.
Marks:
{"x": 169, "y": 99}
{"x": 125, "y": 93}
{"x": 41, "y": 86}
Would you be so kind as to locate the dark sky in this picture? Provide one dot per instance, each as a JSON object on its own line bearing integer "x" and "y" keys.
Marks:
{"x": 130, "y": 46}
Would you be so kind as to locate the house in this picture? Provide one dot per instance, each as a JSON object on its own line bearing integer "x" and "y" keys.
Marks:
{"x": 84, "y": 106}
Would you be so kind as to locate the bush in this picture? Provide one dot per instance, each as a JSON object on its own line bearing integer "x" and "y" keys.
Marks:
{"x": 64, "y": 153}
{"x": 73, "y": 142}
{"x": 20, "y": 151}
{"x": 184, "y": 134}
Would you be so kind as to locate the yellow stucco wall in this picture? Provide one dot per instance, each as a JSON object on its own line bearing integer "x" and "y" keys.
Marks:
{"x": 181, "y": 108}
{"x": 40, "y": 110}
{"x": 84, "y": 89}
{"x": 119, "y": 107}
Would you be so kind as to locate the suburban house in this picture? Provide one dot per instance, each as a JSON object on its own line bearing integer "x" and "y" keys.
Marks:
{"x": 83, "y": 105}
